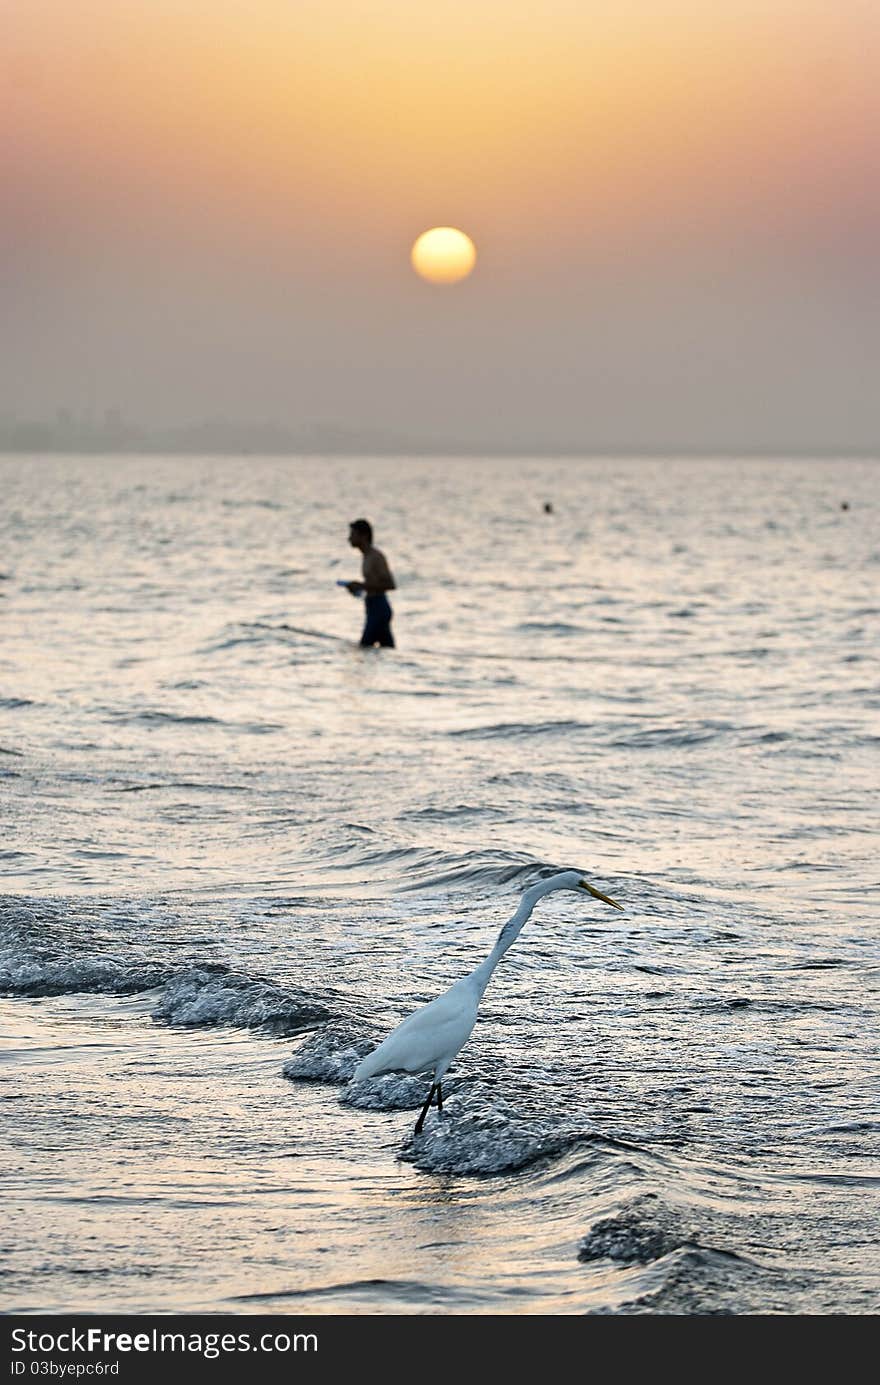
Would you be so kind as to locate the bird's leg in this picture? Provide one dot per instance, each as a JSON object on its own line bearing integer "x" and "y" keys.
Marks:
{"x": 421, "y": 1120}
{"x": 439, "y": 1096}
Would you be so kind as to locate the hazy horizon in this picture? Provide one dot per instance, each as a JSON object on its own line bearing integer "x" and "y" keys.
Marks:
{"x": 676, "y": 216}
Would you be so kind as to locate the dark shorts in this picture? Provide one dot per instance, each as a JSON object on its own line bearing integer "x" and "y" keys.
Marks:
{"x": 377, "y": 627}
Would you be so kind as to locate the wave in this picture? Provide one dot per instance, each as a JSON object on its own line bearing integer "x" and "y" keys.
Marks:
{"x": 767, "y": 1004}
{"x": 478, "y": 867}
{"x": 393, "y": 1091}
{"x": 331, "y": 1055}
{"x": 214, "y": 995}
{"x": 823, "y": 742}
{"x": 511, "y": 730}
{"x": 44, "y": 953}
{"x": 417, "y": 868}
{"x": 696, "y": 1279}
{"x": 36, "y": 976}
{"x": 485, "y": 1141}
{"x": 284, "y": 629}
{"x": 695, "y": 733}
{"x": 644, "y": 1230}
{"x": 196, "y": 997}
{"x": 233, "y": 504}
{"x": 538, "y": 627}
{"x": 398, "y": 1290}
{"x": 702, "y": 1258}
{"x": 157, "y": 717}
{"x": 179, "y": 784}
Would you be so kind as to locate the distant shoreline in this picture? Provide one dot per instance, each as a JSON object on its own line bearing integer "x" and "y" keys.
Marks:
{"x": 454, "y": 453}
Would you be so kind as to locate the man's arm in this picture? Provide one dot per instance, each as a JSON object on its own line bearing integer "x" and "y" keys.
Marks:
{"x": 377, "y": 573}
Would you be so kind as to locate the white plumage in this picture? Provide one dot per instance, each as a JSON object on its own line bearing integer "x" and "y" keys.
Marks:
{"x": 429, "y": 1039}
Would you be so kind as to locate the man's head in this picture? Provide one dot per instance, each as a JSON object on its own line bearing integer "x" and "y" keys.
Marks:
{"x": 360, "y": 534}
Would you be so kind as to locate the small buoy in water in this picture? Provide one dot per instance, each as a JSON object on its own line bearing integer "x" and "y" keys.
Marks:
{"x": 548, "y": 508}
{"x": 844, "y": 504}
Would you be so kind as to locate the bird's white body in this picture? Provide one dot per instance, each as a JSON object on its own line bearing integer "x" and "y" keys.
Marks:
{"x": 429, "y": 1039}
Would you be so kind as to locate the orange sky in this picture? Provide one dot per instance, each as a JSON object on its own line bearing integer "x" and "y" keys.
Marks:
{"x": 317, "y": 138}
{"x": 364, "y": 120}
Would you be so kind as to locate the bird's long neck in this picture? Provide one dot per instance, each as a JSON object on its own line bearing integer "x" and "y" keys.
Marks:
{"x": 509, "y": 934}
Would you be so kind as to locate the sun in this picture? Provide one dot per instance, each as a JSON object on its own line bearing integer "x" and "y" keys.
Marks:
{"x": 443, "y": 255}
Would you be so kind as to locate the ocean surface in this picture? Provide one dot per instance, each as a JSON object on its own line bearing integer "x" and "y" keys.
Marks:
{"x": 236, "y": 849}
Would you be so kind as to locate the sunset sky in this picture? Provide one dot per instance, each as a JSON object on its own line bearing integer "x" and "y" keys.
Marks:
{"x": 208, "y": 209}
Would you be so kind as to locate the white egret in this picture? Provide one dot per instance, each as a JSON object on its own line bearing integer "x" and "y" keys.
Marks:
{"x": 429, "y": 1039}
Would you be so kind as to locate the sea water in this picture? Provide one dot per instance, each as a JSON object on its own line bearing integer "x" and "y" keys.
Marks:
{"x": 237, "y": 849}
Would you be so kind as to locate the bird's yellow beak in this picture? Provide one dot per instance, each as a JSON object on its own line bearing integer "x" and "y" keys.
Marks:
{"x": 597, "y": 894}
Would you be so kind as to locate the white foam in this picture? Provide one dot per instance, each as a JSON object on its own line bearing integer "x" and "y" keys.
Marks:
{"x": 480, "y": 1142}
{"x": 207, "y": 997}
{"x": 644, "y": 1230}
{"x": 29, "y": 975}
{"x": 330, "y": 1055}
{"x": 393, "y": 1091}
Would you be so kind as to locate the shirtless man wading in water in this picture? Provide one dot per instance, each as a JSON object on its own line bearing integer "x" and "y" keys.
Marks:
{"x": 377, "y": 581}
